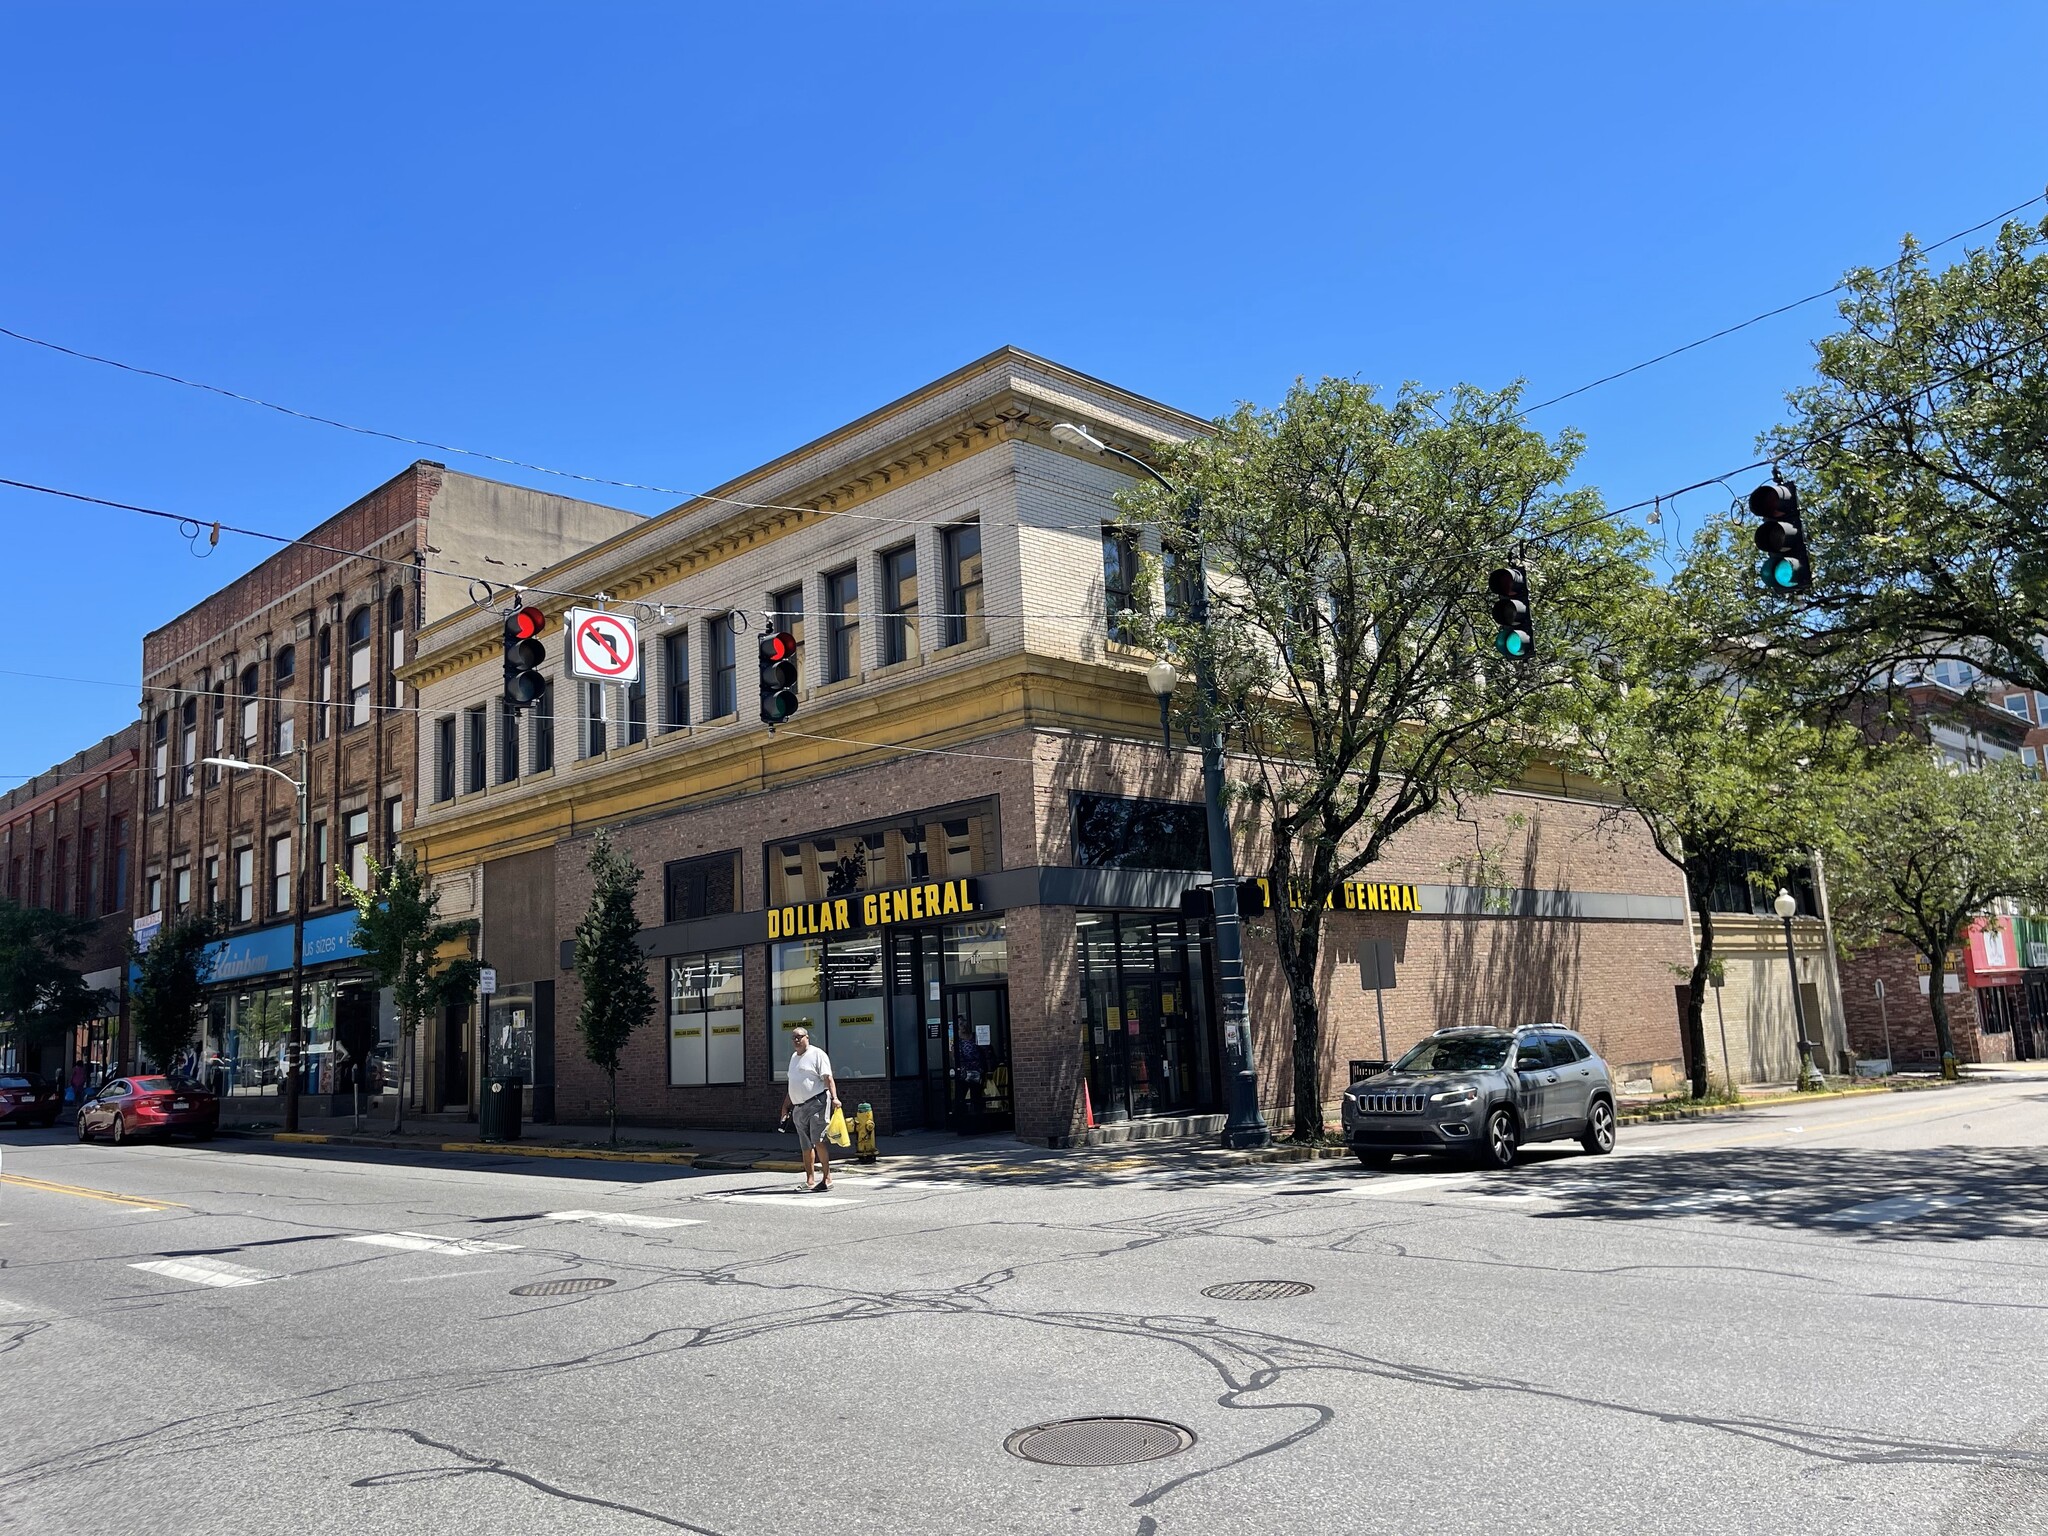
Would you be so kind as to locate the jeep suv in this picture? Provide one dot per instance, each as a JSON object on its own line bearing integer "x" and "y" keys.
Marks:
{"x": 1483, "y": 1094}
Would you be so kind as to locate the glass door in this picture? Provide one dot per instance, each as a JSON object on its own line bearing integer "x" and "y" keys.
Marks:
{"x": 978, "y": 1038}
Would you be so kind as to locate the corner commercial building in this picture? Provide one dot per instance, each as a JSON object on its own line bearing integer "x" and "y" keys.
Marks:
{"x": 301, "y": 654}
{"x": 961, "y": 863}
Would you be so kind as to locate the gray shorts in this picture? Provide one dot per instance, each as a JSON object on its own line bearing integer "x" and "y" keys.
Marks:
{"x": 810, "y": 1120}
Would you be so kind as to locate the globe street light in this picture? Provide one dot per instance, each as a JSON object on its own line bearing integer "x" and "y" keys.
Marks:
{"x": 297, "y": 1040}
{"x": 1245, "y": 1127}
{"x": 1162, "y": 679}
{"x": 1809, "y": 1074}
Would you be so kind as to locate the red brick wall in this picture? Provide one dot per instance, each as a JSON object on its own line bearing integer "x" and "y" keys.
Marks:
{"x": 1911, "y": 1018}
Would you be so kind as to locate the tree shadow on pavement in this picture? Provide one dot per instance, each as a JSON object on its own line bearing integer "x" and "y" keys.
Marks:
{"x": 1935, "y": 1194}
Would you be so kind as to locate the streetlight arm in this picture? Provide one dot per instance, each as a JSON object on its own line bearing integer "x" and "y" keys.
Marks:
{"x": 236, "y": 762}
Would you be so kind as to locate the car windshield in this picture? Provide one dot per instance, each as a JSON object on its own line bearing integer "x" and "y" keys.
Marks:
{"x": 152, "y": 1084}
{"x": 1457, "y": 1053}
{"x": 15, "y": 1082}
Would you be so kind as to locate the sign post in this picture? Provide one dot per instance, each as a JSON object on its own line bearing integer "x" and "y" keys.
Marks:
{"x": 1376, "y": 970}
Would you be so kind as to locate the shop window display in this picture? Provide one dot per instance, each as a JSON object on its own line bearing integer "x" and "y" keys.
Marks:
{"x": 707, "y": 1019}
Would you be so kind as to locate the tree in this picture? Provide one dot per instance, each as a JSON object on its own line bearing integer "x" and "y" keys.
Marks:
{"x": 1928, "y": 846}
{"x": 1921, "y": 458}
{"x": 167, "y": 1000}
{"x": 411, "y": 949}
{"x": 611, "y": 967}
{"x": 41, "y": 990}
{"x": 1350, "y": 541}
{"x": 1713, "y": 761}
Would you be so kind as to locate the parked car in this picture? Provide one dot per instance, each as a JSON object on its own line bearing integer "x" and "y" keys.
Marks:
{"x": 29, "y": 1098}
{"x": 1483, "y": 1094}
{"x": 136, "y": 1106}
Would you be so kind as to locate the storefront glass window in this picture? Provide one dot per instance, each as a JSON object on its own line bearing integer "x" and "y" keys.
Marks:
{"x": 1148, "y": 1031}
{"x": 707, "y": 1019}
{"x": 976, "y": 951}
{"x": 799, "y": 999}
{"x": 835, "y": 991}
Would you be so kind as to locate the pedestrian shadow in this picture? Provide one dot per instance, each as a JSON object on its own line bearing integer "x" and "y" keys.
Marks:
{"x": 1935, "y": 1194}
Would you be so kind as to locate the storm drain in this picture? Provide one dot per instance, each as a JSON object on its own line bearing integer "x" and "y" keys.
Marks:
{"x": 562, "y": 1287}
{"x": 1258, "y": 1290}
{"x": 1099, "y": 1442}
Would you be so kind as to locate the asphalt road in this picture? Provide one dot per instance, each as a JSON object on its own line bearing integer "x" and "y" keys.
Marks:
{"x": 1822, "y": 1317}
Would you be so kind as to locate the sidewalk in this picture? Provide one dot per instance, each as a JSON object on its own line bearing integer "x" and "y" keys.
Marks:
{"x": 938, "y": 1155}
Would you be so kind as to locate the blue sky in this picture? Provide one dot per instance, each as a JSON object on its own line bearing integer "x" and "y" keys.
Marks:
{"x": 665, "y": 243}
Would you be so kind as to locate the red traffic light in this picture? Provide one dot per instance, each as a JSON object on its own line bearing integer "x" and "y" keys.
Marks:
{"x": 776, "y": 646}
{"x": 524, "y": 623}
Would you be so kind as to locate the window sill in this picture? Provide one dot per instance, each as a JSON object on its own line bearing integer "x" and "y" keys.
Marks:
{"x": 979, "y": 642}
{"x": 628, "y": 748}
{"x": 908, "y": 664}
{"x": 839, "y": 685}
{"x": 1128, "y": 651}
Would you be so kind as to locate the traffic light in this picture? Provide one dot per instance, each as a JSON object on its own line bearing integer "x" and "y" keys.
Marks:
{"x": 1198, "y": 903}
{"x": 524, "y": 656}
{"x": 778, "y": 677}
{"x": 1510, "y": 588}
{"x": 1781, "y": 535}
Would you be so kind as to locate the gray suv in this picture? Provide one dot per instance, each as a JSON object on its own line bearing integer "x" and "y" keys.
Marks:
{"x": 1483, "y": 1094}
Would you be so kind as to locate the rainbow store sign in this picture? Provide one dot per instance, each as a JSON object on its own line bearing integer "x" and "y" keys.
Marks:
{"x": 874, "y": 909}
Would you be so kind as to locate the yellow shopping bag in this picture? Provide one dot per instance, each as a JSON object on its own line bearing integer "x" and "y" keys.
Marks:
{"x": 836, "y": 1131}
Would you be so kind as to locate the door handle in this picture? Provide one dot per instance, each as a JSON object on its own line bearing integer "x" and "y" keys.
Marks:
{"x": 1550, "y": 1077}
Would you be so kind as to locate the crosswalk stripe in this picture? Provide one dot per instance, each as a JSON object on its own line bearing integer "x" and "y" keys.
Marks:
{"x": 803, "y": 1199}
{"x": 421, "y": 1242}
{"x": 197, "y": 1271}
{"x": 624, "y": 1219}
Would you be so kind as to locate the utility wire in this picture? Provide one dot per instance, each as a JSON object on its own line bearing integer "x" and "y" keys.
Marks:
{"x": 1771, "y": 314}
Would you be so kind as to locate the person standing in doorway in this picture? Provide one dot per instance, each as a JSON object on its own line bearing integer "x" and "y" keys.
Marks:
{"x": 807, "y": 1104}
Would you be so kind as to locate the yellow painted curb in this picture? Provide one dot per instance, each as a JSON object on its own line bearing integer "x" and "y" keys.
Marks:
{"x": 304, "y": 1136}
{"x": 44, "y": 1186}
{"x": 593, "y": 1154}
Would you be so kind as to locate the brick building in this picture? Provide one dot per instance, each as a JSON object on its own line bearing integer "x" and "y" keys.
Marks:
{"x": 293, "y": 666}
{"x": 961, "y": 862}
{"x": 67, "y": 844}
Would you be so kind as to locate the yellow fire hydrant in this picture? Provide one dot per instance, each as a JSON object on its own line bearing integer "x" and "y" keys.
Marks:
{"x": 864, "y": 1134}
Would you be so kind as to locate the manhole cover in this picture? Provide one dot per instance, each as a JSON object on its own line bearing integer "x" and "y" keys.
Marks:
{"x": 562, "y": 1287}
{"x": 1258, "y": 1290}
{"x": 1099, "y": 1442}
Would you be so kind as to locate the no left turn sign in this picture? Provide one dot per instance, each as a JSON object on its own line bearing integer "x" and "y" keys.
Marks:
{"x": 603, "y": 646}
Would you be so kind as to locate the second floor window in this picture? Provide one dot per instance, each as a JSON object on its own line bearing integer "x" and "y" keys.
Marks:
{"x": 899, "y": 604}
{"x": 675, "y": 676}
{"x": 724, "y": 698}
{"x": 252, "y": 686}
{"x": 323, "y": 683}
{"x": 359, "y": 667}
{"x": 357, "y": 853}
{"x": 220, "y": 729}
{"x": 1119, "y": 577}
{"x": 188, "y": 746}
{"x": 508, "y": 742}
{"x": 636, "y": 708}
{"x": 319, "y": 862}
{"x": 444, "y": 758}
{"x": 544, "y": 729}
{"x": 283, "y": 674}
{"x": 963, "y": 583}
{"x": 117, "y": 882}
{"x": 593, "y": 719}
{"x": 394, "y": 647}
{"x": 280, "y": 875}
{"x": 245, "y": 884}
{"x": 159, "y": 761}
{"x": 477, "y": 747}
{"x": 842, "y": 625}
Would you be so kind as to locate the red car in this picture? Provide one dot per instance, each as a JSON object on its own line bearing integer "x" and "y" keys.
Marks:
{"x": 134, "y": 1106}
{"x": 29, "y": 1099}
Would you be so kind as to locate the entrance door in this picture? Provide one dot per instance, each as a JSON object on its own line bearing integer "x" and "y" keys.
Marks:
{"x": 978, "y": 1042}
{"x": 454, "y": 1057}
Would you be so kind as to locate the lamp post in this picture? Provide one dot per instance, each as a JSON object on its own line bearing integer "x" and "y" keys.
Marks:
{"x": 1809, "y": 1075}
{"x": 296, "y": 1042}
{"x": 1162, "y": 679}
{"x": 1245, "y": 1127}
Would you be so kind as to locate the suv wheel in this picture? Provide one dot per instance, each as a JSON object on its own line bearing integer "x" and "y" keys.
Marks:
{"x": 1503, "y": 1138}
{"x": 1598, "y": 1136}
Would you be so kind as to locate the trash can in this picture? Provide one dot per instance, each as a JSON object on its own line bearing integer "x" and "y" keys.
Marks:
{"x": 498, "y": 1119}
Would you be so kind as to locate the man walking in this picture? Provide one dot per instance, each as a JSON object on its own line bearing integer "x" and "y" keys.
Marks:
{"x": 807, "y": 1104}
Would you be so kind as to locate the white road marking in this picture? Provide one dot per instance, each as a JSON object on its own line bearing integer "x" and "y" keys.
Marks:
{"x": 1877, "y": 1213}
{"x": 203, "y": 1271}
{"x": 421, "y": 1242}
{"x": 624, "y": 1219}
{"x": 452, "y": 1274}
{"x": 888, "y": 1183}
{"x": 802, "y": 1199}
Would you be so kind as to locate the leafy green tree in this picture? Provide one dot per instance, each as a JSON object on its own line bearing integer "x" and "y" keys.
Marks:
{"x": 1927, "y": 847}
{"x": 410, "y": 948}
{"x": 42, "y": 992}
{"x": 1714, "y": 761}
{"x": 167, "y": 1000}
{"x": 1921, "y": 457}
{"x": 1349, "y": 540}
{"x": 611, "y": 966}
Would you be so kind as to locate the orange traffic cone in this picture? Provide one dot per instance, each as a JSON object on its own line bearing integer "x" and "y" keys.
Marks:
{"x": 1087, "y": 1108}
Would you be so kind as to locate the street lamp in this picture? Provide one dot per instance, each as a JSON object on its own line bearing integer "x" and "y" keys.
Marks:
{"x": 1162, "y": 679}
{"x": 297, "y": 1042}
{"x": 1809, "y": 1075}
{"x": 1245, "y": 1127}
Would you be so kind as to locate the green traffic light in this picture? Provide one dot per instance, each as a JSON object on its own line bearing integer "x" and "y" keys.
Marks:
{"x": 1781, "y": 574}
{"x": 1512, "y": 642}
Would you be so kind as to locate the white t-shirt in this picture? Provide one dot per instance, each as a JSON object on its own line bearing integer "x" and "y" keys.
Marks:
{"x": 807, "y": 1073}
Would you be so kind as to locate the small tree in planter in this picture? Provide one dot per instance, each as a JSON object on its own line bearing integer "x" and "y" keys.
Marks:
{"x": 407, "y": 946}
{"x": 168, "y": 999}
{"x": 611, "y": 966}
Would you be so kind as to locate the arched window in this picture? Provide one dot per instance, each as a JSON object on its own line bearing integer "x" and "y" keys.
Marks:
{"x": 283, "y": 670}
{"x": 323, "y": 684}
{"x": 252, "y": 684}
{"x": 394, "y": 649}
{"x": 359, "y": 667}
